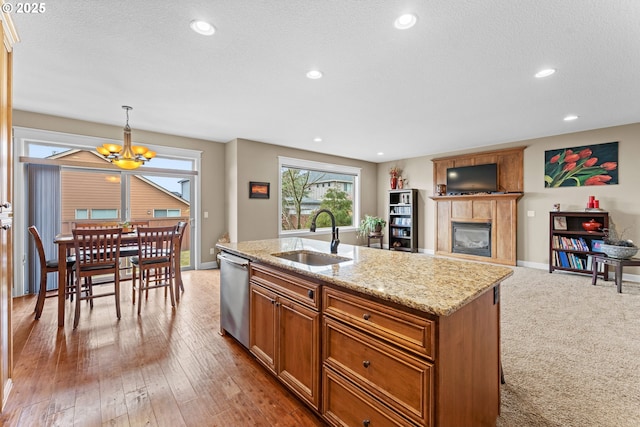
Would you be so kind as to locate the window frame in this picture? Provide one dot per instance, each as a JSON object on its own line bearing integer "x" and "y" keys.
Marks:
{"x": 86, "y": 214}
{"x": 167, "y": 212}
{"x": 92, "y": 211}
{"x": 291, "y": 162}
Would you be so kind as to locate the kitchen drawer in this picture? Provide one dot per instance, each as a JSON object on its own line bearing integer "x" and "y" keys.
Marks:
{"x": 294, "y": 287}
{"x": 346, "y": 405}
{"x": 397, "y": 378}
{"x": 390, "y": 324}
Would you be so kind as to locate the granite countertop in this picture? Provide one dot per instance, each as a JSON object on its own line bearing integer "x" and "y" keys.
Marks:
{"x": 434, "y": 285}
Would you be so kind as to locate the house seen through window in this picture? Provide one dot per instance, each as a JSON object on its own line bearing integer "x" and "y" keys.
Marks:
{"x": 306, "y": 187}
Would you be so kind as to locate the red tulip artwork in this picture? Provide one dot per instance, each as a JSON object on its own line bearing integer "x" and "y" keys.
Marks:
{"x": 580, "y": 166}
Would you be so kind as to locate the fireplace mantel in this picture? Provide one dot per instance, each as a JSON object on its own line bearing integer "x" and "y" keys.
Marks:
{"x": 498, "y": 209}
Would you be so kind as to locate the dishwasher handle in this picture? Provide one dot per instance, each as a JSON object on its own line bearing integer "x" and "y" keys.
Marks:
{"x": 242, "y": 264}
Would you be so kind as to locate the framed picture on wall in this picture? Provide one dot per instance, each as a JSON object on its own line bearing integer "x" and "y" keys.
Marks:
{"x": 560, "y": 223}
{"x": 258, "y": 190}
{"x": 580, "y": 166}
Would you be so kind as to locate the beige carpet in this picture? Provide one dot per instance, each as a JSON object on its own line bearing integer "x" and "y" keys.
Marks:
{"x": 570, "y": 351}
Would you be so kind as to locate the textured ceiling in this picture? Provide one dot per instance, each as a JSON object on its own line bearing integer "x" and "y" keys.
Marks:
{"x": 461, "y": 78}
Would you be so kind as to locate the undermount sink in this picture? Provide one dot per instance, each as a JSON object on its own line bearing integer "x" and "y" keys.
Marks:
{"x": 311, "y": 258}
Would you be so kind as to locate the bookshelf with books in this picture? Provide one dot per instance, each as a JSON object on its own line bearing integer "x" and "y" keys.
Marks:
{"x": 571, "y": 246}
{"x": 403, "y": 220}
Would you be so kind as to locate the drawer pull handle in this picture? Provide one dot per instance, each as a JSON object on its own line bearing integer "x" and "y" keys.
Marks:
{"x": 366, "y": 316}
{"x": 366, "y": 363}
{"x": 365, "y": 423}
{"x": 310, "y": 293}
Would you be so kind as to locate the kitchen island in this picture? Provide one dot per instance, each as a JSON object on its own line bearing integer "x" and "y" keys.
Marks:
{"x": 377, "y": 337}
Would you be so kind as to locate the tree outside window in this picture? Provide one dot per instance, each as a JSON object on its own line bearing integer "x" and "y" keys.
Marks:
{"x": 305, "y": 191}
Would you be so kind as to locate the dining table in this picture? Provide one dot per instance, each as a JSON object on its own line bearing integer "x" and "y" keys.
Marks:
{"x": 128, "y": 240}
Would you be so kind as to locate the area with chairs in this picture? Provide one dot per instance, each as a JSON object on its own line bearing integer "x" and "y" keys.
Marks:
{"x": 101, "y": 256}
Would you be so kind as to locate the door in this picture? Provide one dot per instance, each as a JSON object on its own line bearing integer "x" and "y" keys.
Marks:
{"x": 6, "y": 210}
{"x": 298, "y": 352}
{"x": 263, "y": 337}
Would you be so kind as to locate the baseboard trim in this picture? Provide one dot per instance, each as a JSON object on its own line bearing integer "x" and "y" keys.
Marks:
{"x": 540, "y": 266}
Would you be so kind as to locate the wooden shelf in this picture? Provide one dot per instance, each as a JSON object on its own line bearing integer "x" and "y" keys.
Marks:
{"x": 570, "y": 245}
{"x": 403, "y": 220}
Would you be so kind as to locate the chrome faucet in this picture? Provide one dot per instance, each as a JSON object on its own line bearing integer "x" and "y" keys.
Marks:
{"x": 334, "y": 230}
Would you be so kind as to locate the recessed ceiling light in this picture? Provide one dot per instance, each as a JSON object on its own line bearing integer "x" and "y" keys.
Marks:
{"x": 380, "y": 153}
{"x": 570, "y": 117}
{"x": 545, "y": 73}
{"x": 202, "y": 27}
{"x": 314, "y": 74}
{"x": 317, "y": 139}
{"x": 405, "y": 21}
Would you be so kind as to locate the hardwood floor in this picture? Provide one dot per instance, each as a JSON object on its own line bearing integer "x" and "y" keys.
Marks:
{"x": 164, "y": 368}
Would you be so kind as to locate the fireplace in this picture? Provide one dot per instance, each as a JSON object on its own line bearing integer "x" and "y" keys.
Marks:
{"x": 472, "y": 238}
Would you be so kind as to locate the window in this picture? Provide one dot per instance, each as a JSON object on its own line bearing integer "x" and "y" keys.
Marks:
{"x": 307, "y": 186}
{"x": 104, "y": 214}
{"x": 82, "y": 214}
{"x": 166, "y": 213}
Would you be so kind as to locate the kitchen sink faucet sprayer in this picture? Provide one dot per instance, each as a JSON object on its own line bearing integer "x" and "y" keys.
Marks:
{"x": 334, "y": 231}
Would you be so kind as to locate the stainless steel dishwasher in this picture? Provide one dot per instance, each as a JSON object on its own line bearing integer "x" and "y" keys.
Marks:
{"x": 234, "y": 296}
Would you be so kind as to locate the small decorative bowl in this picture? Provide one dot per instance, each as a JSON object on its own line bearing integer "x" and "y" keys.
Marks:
{"x": 591, "y": 225}
{"x": 619, "y": 252}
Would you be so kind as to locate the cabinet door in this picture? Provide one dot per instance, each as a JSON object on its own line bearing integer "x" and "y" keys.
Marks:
{"x": 263, "y": 338}
{"x": 299, "y": 352}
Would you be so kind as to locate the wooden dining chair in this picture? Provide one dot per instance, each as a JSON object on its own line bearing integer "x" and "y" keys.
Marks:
{"x": 153, "y": 266}
{"x": 180, "y": 230}
{"x": 97, "y": 252}
{"x": 48, "y": 266}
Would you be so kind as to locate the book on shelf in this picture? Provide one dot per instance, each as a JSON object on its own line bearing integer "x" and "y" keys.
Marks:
{"x": 564, "y": 261}
{"x": 596, "y": 245}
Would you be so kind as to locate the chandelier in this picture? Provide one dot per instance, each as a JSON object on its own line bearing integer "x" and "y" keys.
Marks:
{"x": 127, "y": 156}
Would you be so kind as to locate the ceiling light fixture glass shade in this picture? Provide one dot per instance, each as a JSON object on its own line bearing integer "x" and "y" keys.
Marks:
{"x": 127, "y": 156}
{"x": 405, "y": 21}
{"x": 202, "y": 27}
{"x": 570, "y": 117}
{"x": 314, "y": 74}
{"x": 545, "y": 73}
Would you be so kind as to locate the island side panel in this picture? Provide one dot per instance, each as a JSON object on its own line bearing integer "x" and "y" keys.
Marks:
{"x": 468, "y": 364}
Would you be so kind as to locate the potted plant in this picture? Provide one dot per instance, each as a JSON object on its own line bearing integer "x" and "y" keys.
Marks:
{"x": 126, "y": 226}
{"x": 615, "y": 246}
{"x": 371, "y": 225}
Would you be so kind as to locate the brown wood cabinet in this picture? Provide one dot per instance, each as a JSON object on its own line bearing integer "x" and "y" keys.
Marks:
{"x": 423, "y": 369}
{"x": 395, "y": 377}
{"x": 380, "y": 363}
{"x": 285, "y": 329}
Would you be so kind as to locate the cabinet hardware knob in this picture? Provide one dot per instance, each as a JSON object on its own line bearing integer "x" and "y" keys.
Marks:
{"x": 310, "y": 293}
{"x": 5, "y": 205}
{"x": 365, "y": 423}
{"x": 273, "y": 301}
{"x": 366, "y": 316}
{"x": 6, "y": 226}
{"x": 366, "y": 363}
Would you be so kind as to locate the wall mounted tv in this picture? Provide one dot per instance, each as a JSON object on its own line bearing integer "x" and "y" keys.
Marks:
{"x": 473, "y": 179}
